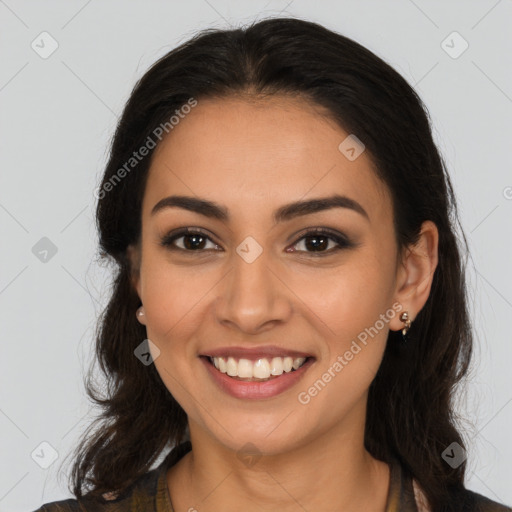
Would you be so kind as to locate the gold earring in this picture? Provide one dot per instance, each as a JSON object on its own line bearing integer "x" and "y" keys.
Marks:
{"x": 404, "y": 317}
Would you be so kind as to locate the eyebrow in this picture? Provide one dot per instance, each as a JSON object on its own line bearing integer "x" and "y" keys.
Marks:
{"x": 287, "y": 212}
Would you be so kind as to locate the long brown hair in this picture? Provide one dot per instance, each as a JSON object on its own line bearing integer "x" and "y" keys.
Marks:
{"x": 410, "y": 413}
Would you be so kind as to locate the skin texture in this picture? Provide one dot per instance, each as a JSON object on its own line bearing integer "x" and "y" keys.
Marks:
{"x": 253, "y": 156}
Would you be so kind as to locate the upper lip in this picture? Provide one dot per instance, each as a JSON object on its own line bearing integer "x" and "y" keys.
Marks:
{"x": 254, "y": 353}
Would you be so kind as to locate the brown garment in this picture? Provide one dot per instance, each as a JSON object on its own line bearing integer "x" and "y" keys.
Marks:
{"x": 150, "y": 494}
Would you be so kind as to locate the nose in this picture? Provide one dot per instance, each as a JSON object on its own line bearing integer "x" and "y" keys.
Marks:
{"x": 252, "y": 297}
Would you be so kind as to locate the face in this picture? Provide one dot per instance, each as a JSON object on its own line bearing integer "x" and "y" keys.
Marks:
{"x": 251, "y": 284}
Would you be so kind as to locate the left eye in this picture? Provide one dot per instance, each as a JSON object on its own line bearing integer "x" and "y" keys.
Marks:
{"x": 318, "y": 241}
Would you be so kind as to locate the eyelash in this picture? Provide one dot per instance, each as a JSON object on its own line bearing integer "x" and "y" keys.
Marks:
{"x": 342, "y": 241}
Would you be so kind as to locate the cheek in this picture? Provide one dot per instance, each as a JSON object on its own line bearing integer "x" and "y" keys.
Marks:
{"x": 173, "y": 296}
{"x": 172, "y": 300}
{"x": 357, "y": 310}
{"x": 349, "y": 298}
{"x": 355, "y": 303}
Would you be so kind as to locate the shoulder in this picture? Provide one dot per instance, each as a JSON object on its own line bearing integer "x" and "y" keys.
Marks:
{"x": 59, "y": 506}
{"x": 139, "y": 496}
{"x": 464, "y": 499}
{"x": 147, "y": 493}
{"x": 480, "y": 503}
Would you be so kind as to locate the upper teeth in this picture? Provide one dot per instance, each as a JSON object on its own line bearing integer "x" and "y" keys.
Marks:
{"x": 260, "y": 369}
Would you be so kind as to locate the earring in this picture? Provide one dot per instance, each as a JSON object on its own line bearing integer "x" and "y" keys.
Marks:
{"x": 404, "y": 317}
{"x": 140, "y": 312}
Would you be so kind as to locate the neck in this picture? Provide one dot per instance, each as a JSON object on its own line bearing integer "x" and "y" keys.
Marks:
{"x": 331, "y": 472}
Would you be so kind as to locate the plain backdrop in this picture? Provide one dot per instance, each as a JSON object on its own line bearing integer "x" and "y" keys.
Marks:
{"x": 58, "y": 113}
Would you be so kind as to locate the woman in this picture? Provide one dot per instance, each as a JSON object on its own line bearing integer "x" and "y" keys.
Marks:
{"x": 289, "y": 311}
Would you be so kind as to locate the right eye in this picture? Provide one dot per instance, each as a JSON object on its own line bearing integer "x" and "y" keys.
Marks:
{"x": 194, "y": 240}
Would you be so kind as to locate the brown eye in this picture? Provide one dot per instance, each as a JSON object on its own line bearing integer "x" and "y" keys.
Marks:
{"x": 322, "y": 241}
{"x": 192, "y": 241}
{"x": 315, "y": 242}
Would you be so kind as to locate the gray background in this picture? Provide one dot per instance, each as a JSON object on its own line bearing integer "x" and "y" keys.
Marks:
{"x": 58, "y": 114}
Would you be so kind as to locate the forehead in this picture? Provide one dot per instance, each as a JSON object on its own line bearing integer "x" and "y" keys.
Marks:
{"x": 256, "y": 152}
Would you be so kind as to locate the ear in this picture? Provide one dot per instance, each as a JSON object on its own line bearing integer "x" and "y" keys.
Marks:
{"x": 416, "y": 272}
{"x": 134, "y": 256}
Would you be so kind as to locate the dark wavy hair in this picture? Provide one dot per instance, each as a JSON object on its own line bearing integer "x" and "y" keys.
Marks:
{"x": 411, "y": 410}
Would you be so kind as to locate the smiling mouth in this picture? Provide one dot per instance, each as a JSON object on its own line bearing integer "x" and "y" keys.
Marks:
{"x": 260, "y": 370}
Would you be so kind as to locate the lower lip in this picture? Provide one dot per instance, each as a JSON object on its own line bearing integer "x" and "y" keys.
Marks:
{"x": 254, "y": 389}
